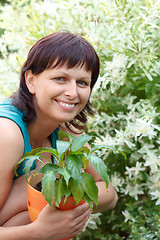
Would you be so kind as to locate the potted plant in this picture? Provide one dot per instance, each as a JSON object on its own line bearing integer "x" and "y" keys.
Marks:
{"x": 64, "y": 179}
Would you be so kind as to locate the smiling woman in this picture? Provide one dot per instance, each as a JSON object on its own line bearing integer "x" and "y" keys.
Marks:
{"x": 55, "y": 86}
{"x": 54, "y": 51}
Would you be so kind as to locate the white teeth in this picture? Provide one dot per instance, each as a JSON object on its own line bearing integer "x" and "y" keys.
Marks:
{"x": 66, "y": 104}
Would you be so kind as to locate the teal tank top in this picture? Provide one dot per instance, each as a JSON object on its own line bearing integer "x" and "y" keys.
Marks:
{"x": 7, "y": 110}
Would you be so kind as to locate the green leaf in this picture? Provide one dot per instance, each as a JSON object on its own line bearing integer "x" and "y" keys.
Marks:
{"x": 73, "y": 163}
{"x": 57, "y": 171}
{"x": 30, "y": 161}
{"x": 80, "y": 141}
{"x": 89, "y": 186}
{"x": 88, "y": 200}
{"x": 50, "y": 150}
{"x": 65, "y": 173}
{"x": 62, "y": 147}
{"x": 61, "y": 190}
{"x": 67, "y": 194}
{"x": 48, "y": 167}
{"x": 62, "y": 135}
{"x": 38, "y": 151}
{"x": 76, "y": 189}
{"x": 35, "y": 154}
{"x": 28, "y": 165}
{"x": 100, "y": 167}
{"x": 85, "y": 162}
{"x": 48, "y": 186}
{"x": 123, "y": 154}
{"x": 98, "y": 147}
{"x": 82, "y": 150}
{"x": 16, "y": 167}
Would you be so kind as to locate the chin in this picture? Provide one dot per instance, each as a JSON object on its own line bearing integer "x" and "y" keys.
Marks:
{"x": 66, "y": 120}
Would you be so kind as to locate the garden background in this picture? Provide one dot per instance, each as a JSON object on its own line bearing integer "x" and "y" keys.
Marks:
{"x": 126, "y": 35}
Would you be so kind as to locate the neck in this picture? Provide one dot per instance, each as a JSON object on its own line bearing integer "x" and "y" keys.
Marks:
{"x": 39, "y": 134}
{"x": 39, "y": 143}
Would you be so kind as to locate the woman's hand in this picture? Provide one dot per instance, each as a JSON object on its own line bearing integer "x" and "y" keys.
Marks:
{"x": 57, "y": 224}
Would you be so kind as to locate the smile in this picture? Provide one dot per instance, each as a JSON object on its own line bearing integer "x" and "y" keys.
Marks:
{"x": 67, "y": 105}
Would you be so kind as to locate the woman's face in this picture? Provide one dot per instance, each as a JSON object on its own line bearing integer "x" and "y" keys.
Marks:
{"x": 60, "y": 93}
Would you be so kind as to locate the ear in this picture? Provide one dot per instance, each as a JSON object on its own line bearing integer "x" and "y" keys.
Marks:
{"x": 30, "y": 81}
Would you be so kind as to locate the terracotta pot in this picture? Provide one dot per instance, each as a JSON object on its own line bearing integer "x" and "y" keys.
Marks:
{"x": 36, "y": 201}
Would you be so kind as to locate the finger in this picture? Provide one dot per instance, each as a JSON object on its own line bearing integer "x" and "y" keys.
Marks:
{"x": 81, "y": 224}
{"x": 83, "y": 216}
{"x": 81, "y": 209}
{"x": 82, "y": 219}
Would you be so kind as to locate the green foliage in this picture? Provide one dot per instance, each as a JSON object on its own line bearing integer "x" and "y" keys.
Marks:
{"x": 146, "y": 224}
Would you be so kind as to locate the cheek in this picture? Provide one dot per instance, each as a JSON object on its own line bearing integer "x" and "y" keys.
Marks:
{"x": 55, "y": 90}
{"x": 47, "y": 91}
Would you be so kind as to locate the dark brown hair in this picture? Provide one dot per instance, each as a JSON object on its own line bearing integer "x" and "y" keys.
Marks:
{"x": 58, "y": 48}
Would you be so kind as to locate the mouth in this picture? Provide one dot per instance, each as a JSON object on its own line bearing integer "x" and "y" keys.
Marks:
{"x": 65, "y": 105}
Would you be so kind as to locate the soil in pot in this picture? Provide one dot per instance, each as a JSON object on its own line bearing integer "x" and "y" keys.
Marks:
{"x": 38, "y": 186}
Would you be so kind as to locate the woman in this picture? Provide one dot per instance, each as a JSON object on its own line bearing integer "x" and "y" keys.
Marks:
{"x": 55, "y": 86}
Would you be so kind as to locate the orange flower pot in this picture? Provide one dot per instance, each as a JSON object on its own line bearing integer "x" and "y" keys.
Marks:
{"x": 36, "y": 201}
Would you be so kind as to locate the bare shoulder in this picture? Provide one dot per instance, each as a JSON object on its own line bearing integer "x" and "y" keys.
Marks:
{"x": 11, "y": 149}
{"x": 11, "y": 140}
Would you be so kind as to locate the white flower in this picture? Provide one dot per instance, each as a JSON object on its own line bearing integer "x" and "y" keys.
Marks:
{"x": 128, "y": 216}
{"x": 128, "y": 100}
{"x": 117, "y": 181}
{"x": 93, "y": 221}
{"x": 127, "y": 189}
{"x": 122, "y": 138}
{"x": 152, "y": 160}
{"x": 144, "y": 128}
{"x": 134, "y": 171}
{"x": 154, "y": 181}
{"x": 146, "y": 147}
{"x": 107, "y": 140}
{"x": 136, "y": 190}
{"x": 156, "y": 195}
{"x": 135, "y": 156}
{"x": 115, "y": 72}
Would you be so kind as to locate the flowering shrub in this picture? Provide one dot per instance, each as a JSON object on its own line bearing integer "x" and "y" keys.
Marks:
{"x": 126, "y": 35}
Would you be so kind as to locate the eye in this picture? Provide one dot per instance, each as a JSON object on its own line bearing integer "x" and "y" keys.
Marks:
{"x": 82, "y": 83}
{"x": 59, "y": 79}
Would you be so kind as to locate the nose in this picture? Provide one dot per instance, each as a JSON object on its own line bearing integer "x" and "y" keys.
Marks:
{"x": 71, "y": 90}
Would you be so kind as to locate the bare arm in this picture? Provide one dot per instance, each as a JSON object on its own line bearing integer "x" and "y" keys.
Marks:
{"x": 11, "y": 149}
